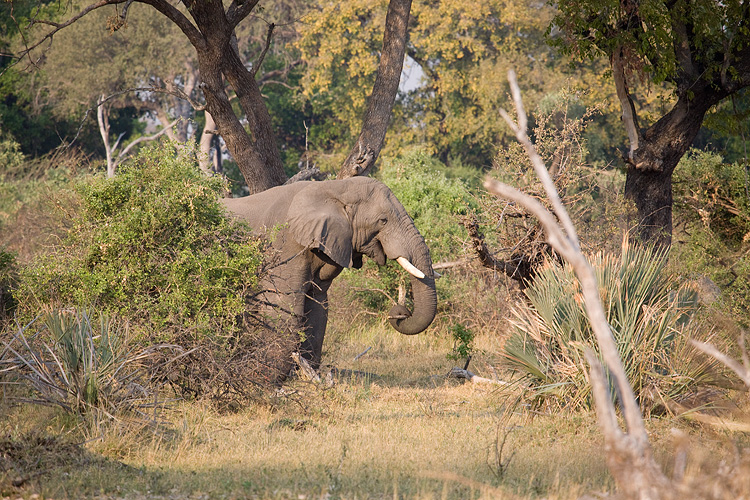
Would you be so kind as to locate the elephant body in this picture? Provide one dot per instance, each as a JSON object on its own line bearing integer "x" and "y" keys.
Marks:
{"x": 318, "y": 228}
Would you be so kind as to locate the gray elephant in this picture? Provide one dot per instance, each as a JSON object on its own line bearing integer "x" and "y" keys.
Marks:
{"x": 321, "y": 227}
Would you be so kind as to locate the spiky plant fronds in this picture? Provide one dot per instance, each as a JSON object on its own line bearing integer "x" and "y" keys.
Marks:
{"x": 79, "y": 364}
{"x": 649, "y": 316}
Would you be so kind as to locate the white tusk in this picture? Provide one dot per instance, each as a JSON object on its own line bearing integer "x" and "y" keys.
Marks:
{"x": 410, "y": 268}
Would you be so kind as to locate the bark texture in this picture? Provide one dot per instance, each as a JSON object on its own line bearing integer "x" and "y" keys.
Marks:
{"x": 380, "y": 104}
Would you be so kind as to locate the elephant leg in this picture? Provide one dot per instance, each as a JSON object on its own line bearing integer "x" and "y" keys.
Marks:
{"x": 282, "y": 307}
{"x": 316, "y": 314}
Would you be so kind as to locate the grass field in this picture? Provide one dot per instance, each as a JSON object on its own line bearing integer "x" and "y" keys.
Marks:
{"x": 393, "y": 427}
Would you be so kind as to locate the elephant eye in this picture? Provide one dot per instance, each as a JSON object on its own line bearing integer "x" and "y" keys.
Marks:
{"x": 382, "y": 221}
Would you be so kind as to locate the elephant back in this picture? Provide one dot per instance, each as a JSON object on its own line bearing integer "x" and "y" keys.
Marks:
{"x": 266, "y": 209}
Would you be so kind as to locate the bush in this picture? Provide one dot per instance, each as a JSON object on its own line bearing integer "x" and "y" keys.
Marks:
{"x": 434, "y": 200}
{"x": 650, "y": 321}
{"x": 152, "y": 245}
{"x": 712, "y": 227}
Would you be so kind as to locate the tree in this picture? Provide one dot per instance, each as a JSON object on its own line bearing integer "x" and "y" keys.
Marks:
{"x": 698, "y": 48}
{"x": 377, "y": 116}
{"x": 455, "y": 47}
{"x": 210, "y": 28}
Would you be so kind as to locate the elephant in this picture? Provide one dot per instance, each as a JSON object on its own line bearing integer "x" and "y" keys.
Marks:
{"x": 317, "y": 229}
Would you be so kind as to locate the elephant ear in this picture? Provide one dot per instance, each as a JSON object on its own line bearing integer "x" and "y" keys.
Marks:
{"x": 317, "y": 222}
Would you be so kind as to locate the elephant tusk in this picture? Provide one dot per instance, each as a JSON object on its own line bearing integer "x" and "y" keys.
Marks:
{"x": 410, "y": 268}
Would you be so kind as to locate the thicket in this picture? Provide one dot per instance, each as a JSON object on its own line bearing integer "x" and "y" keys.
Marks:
{"x": 151, "y": 245}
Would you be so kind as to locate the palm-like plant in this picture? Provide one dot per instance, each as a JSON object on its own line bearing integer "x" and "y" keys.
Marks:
{"x": 83, "y": 366}
{"x": 649, "y": 319}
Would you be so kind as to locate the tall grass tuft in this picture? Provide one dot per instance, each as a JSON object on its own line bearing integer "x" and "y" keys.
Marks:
{"x": 80, "y": 363}
{"x": 650, "y": 317}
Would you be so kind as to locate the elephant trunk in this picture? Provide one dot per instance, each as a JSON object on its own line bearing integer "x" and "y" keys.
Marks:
{"x": 423, "y": 292}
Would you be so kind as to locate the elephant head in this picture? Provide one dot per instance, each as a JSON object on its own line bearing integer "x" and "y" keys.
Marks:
{"x": 346, "y": 219}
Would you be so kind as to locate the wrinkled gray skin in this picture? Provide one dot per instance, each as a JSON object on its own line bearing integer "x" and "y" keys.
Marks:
{"x": 324, "y": 227}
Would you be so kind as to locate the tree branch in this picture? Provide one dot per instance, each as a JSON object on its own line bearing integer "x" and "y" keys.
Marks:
{"x": 238, "y": 11}
{"x": 629, "y": 117}
{"x": 519, "y": 269}
{"x": 742, "y": 370}
{"x": 26, "y": 52}
{"x": 269, "y": 35}
{"x": 145, "y": 138}
{"x": 173, "y": 14}
{"x": 629, "y": 458}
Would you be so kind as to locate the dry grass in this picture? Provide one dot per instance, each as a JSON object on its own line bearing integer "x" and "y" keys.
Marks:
{"x": 393, "y": 426}
{"x": 402, "y": 431}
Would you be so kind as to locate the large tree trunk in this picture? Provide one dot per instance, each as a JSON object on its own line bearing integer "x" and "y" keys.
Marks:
{"x": 264, "y": 148}
{"x": 649, "y": 176}
{"x": 380, "y": 104}
{"x": 257, "y": 155}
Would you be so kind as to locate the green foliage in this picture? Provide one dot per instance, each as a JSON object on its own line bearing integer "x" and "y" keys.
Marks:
{"x": 649, "y": 318}
{"x": 712, "y": 231}
{"x": 460, "y": 49}
{"x": 11, "y": 157}
{"x": 463, "y": 340}
{"x": 647, "y": 32}
{"x": 434, "y": 200}
{"x": 151, "y": 244}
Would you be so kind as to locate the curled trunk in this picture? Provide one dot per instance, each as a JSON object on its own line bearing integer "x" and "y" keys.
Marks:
{"x": 423, "y": 291}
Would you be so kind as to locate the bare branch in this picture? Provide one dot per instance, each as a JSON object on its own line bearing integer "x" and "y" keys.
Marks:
{"x": 537, "y": 162}
{"x": 742, "y": 371}
{"x": 26, "y": 52}
{"x": 145, "y": 138}
{"x": 269, "y": 35}
{"x": 182, "y": 22}
{"x": 630, "y": 458}
{"x": 474, "y": 379}
{"x": 268, "y": 76}
{"x": 167, "y": 89}
{"x": 518, "y": 268}
{"x": 607, "y": 419}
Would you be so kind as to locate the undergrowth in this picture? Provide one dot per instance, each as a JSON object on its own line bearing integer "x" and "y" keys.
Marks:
{"x": 650, "y": 317}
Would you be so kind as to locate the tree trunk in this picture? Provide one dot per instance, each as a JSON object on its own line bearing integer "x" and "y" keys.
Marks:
{"x": 257, "y": 155}
{"x": 264, "y": 154}
{"x": 378, "y": 114}
{"x": 207, "y": 139}
{"x": 649, "y": 176}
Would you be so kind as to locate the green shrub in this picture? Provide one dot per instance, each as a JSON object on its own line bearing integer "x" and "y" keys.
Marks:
{"x": 463, "y": 340}
{"x": 434, "y": 200}
{"x": 151, "y": 245}
{"x": 712, "y": 227}
{"x": 649, "y": 317}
